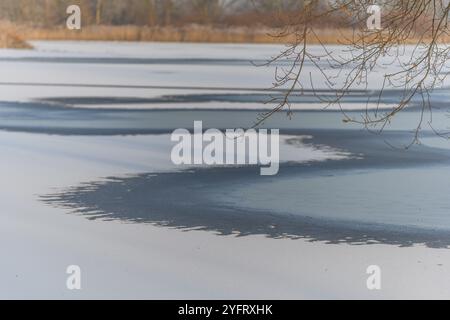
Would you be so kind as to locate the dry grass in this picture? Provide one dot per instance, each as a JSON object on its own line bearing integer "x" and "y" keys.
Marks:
{"x": 9, "y": 38}
{"x": 191, "y": 33}
{"x": 12, "y": 35}
{"x": 163, "y": 34}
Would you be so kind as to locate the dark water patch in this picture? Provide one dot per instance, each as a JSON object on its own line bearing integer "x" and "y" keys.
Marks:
{"x": 135, "y": 86}
{"x": 54, "y": 117}
{"x": 358, "y": 97}
{"x": 143, "y": 61}
{"x": 199, "y": 199}
{"x": 185, "y": 201}
{"x": 260, "y": 98}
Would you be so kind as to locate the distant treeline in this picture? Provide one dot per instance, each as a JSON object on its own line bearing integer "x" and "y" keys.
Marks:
{"x": 177, "y": 13}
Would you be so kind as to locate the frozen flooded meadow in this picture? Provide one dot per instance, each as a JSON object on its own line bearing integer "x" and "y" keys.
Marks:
{"x": 87, "y": 179}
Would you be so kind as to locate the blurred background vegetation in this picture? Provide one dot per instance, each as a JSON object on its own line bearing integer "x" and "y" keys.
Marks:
{"x": 252, "y": 21}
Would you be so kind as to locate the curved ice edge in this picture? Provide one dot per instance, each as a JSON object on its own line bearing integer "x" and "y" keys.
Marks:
{"x": 107, "y": 201}
{"x": 167, "y": 199}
